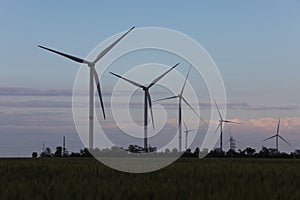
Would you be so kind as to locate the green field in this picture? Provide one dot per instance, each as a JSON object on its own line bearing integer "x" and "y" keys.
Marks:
{"x": 86, "y": 178}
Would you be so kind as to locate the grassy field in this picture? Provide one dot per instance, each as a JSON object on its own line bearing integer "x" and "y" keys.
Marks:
{"x": 86, "y": 178}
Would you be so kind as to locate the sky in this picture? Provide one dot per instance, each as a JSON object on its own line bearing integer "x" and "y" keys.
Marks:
{"x": 255, "y": 45}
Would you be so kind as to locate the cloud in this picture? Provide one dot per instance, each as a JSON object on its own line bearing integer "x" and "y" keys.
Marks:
{"x": 37, "y": 104}
{"x": 36, "y": 119}
{"x": 171, "y": 104}
{"x": 289, "y": 124}
{"x": 236, "y": 106}
{"x": 34, "y": 92}
{"x": 19, "y": 91}
{"x": 245, "y": 106}
{"x": 54, "y": 115}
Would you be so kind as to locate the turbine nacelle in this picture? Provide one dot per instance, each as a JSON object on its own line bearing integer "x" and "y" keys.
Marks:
{"x": 90, "y": 64}
{"x": 228, "y": 121}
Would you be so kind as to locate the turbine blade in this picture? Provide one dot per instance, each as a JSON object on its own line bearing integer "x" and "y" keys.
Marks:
{"x": 98, "y": 89}
{"x": 185, "y": 81}
{"x": 173, "y": 97}
{"x": 217, "y": 108}
{"x": 278, "y": 126}
{"x": 130, "y": 81}
{"x": 187, "y": 103}
{"x": 107, "y": 49}
{"x": 269, "y": 138}
{"x": 66, "y": 55}
{"x": 161, "y": 76}
{"x": 220, "y": 124}
{"x": 150, "y": 106}
{"x": 285, "y": 140}
{"x": 190, "y": 130}
{"x": 186, "y": 129}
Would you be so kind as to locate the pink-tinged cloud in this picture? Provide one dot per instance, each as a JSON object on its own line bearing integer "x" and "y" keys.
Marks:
{"x": 290, "y": 124}
{"x": 172, "y": 122}
{"x": 113, "y": 125}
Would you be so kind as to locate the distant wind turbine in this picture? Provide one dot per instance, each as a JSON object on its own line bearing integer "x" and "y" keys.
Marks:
{"x": 277, "y": 136}
{"x": 187, "y": 131}
{"x": 147, "y": 100}
{"x": 181, "y": 98}
{"x": 93, "y": 75}
{"x": 221, "y": 122}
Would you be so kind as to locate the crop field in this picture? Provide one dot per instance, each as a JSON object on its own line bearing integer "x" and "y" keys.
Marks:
{"x": 189, "y": 178}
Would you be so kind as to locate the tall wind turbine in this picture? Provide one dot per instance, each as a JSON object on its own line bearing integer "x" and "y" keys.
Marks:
{"x": 93, "y": 75}
{"x": 221, "y": 123}
{"x": 181, "y": 98}
{"x": 187, "y": 131}
{"x": 147, "y": 100}
{"x": 278, "y": 136}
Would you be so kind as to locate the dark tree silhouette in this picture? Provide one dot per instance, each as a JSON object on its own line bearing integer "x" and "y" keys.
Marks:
{"x": 46, "y": 153}
{"x": 232, "y": 153}
{"x": 196, "y": 152}
{"x": 249, "y": 151}
{"x": 85, "y": 153}
{"x": 167, "y": 151}
{"x": 188, "y": 153}
{"x": 58, "y": 152}
{"x": 135, "y": 149}
{"x": 34, "y": 154}
{"x": 216, "y": 153}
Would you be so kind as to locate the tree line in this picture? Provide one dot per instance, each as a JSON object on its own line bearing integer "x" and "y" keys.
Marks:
{"x": 135, "y": 150}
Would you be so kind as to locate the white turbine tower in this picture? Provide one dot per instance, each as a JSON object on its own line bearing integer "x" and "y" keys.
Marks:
{"x": 278, "y": 136}
{"x": 221, "y": 122}
{"x": 187, "y": 131}
{"x": 93, "y": 75}
{"x": 180, "y": 99}
{"x": 147, "y": 100}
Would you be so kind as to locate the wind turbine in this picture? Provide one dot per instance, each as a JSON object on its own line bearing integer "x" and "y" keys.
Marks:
{"x": 93, "y": 74}
{"x": 181, "y": 98}
{"x": 187, "y": 131}
{"x": 277, "y": 136}
{"x": 147, "y": 100}
{"x": 221, "y": 122}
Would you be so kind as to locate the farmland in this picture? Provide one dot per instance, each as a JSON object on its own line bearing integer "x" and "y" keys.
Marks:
{"x": 187, "y": 178}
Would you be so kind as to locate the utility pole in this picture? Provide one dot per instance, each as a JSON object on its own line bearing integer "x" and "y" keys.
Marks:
{"x": 64, "y": 146}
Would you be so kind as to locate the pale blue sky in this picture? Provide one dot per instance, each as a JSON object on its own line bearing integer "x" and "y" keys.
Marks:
{"x": 255, "y": 44}
{"x": 248, "y": 40}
